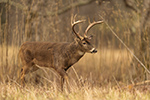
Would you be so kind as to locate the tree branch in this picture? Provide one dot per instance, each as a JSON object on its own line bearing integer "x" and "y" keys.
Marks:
{"x": 60, "y": 11}
{"x": 67, "y": 8}
{"x": 130, "y": 4}
{"x": 20, "y": 6}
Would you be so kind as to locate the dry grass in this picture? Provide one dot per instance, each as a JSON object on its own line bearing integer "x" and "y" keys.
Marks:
{"x": 12, "y": 54}
{"x": 105, "y": 65}
{"x": 15, "y": 92}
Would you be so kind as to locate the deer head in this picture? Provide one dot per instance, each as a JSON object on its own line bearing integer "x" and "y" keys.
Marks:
{"x": 84, "y": 41}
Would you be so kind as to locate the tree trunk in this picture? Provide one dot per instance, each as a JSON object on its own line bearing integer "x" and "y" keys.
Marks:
{"x": 144, "y": 34}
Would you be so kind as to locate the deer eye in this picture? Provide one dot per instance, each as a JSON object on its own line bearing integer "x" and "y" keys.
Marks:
{"x": 84, "y": 43}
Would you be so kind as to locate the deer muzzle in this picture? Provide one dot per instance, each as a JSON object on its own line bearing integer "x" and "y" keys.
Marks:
{"x": 93, "y": 50}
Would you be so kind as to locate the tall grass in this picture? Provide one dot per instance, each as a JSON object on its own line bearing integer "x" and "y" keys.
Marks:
{"x": 14, "y": 92}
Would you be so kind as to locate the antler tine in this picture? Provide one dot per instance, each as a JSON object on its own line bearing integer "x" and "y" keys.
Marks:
{"x": 73, "y": 18}
{"x": 90, "y": 26}
{"x": 75, "y": 23}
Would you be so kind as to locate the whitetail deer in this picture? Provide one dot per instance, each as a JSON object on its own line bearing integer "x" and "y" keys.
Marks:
{"x": 59, "y": 56}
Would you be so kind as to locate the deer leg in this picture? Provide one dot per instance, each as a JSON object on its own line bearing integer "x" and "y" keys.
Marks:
{"x": 64, "y": 77}
{"x": 34, "y": 68}
{"x": 24, "y": 71}
{"x": 61, "y": 83}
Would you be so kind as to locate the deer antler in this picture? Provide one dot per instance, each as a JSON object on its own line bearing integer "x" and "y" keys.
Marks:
{"x": 90, "y": 26}
{"x": 75, "y": 23}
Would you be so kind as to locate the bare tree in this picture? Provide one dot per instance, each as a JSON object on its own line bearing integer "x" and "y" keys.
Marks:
{"x": 143, "y": 10}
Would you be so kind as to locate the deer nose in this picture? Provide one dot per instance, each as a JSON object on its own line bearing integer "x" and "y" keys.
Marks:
{"x": 93, "y": 50}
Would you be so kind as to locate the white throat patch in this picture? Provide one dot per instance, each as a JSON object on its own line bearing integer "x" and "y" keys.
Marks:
{"x": 80, "y": 53}
{"x": 92, "y": 49}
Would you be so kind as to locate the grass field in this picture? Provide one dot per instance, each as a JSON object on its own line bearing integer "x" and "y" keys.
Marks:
{"x": 16, "y": 92}
{"x": 102, "y": 76}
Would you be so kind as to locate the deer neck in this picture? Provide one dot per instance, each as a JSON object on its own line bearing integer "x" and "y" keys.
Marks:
{"x": 76, "y": 49}
{"x": 73, "y": 53}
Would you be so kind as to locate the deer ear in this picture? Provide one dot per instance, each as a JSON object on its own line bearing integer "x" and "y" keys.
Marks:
{"x": 77, "y": 40}
{"x": 90, "y": 37}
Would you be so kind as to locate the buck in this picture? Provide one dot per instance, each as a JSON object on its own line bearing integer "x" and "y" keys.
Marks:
{"x": 58, "y": 56}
